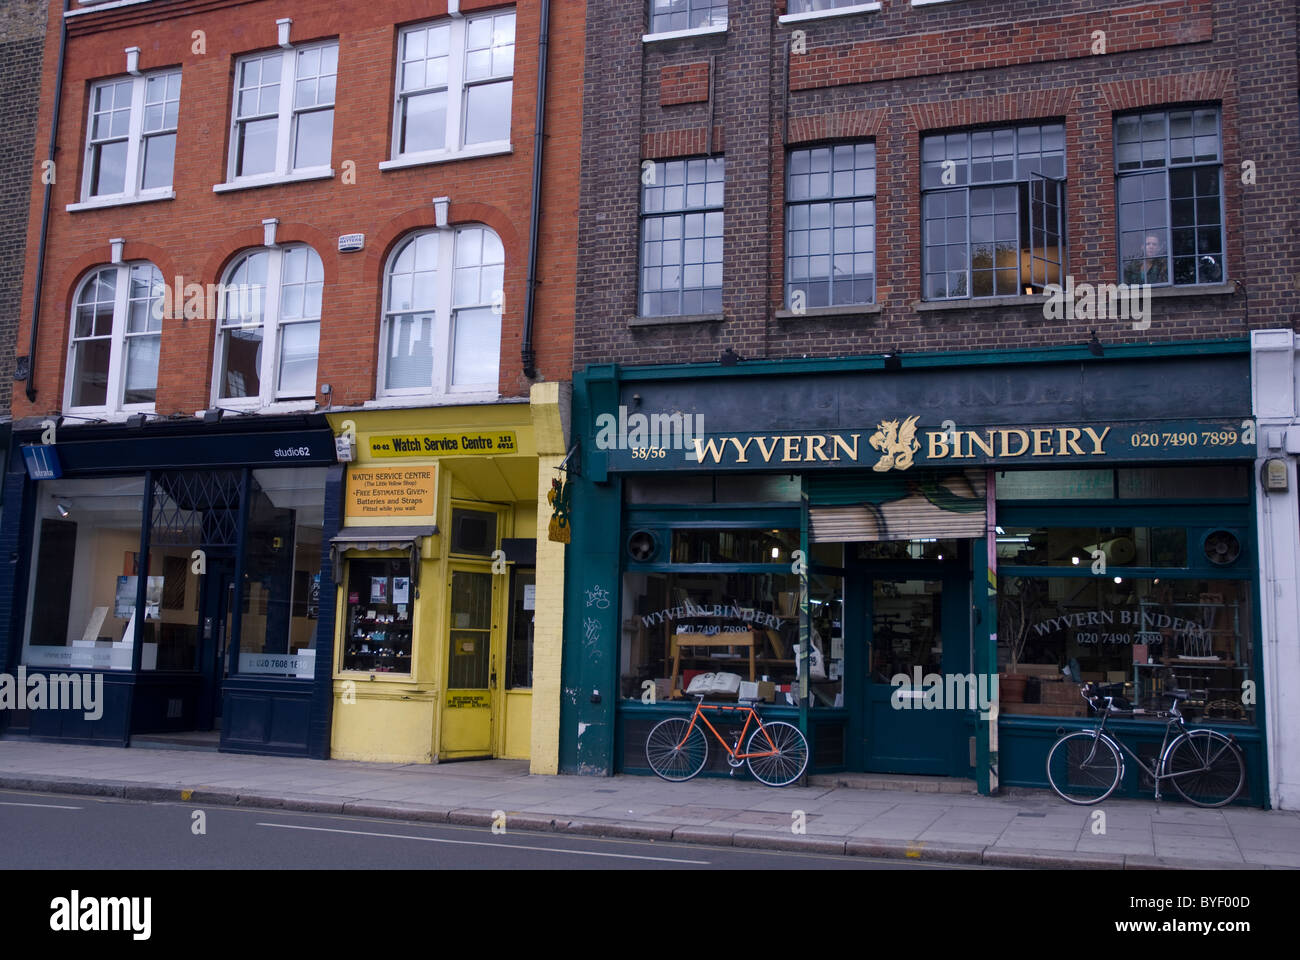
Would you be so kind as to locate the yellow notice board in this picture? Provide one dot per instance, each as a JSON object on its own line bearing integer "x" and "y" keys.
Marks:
{"x": 473, "y": 443}
{"x": 382, "y": 493}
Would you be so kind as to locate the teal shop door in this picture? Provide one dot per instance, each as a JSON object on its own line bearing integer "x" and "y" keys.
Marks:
{"x": 916, "y": 617}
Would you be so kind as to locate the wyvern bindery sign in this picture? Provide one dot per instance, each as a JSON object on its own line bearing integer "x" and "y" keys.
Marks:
{"x": 900, "y": 444}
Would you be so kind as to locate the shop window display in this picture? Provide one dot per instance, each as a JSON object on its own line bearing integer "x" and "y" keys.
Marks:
{"x": 82, "y": 593}
{"x": 1141, "y": 632}
{"x": 680, "y": 625}
{"x": 379, "y": 605}
{"x": 1088, "y": 546}
{"x": 282, "y": 559}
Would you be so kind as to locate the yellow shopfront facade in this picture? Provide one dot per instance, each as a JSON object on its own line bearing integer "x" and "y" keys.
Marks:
{"x": 450, "y": 603}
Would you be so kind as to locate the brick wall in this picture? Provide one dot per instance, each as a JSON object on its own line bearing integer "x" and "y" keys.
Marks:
{"x": 199, "y": 232}
{"x": 895, "y": 75}
{"x": 22, "y": 40}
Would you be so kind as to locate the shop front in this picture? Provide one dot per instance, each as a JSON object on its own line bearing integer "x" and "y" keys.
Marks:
{"x": 919, "y": 566}
{"x": 176, "y": 568}
{"x": 448, "y": 612}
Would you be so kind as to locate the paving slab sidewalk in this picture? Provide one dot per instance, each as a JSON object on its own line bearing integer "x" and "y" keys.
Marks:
{"x": 1025, "y": 828}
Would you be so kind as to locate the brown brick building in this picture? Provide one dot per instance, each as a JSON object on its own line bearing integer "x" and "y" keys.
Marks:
{"x": 22, "y": 42}
{"x": 273, "y": 224}
{"x": 901, "y": 326}
{"x": 890, "y": 74}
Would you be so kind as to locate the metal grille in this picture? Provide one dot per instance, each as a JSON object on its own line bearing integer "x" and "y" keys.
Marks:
{"x": 196, "y": 508}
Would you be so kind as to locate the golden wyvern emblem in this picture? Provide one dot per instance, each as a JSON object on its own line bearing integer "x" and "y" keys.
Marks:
{"x": 897, "y": 444}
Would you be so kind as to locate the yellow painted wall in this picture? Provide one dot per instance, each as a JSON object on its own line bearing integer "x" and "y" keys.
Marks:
{"x": 518, "y": 724}
{"x": 550, "y": 408}
{"x": 400, "y": 719}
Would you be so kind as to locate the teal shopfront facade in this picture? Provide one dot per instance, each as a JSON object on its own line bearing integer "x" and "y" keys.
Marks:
{"x": 877, "y": 545}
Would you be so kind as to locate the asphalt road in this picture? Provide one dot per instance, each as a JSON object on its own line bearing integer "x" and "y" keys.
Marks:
{"x": 69, "y": 832}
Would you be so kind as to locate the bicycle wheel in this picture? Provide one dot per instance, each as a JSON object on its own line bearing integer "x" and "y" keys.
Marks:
{"x": 1206, "y": 768}
{"x": 1083, "y": 768}
{"x": 675, "y": 750}
{"x": 789, "y": 760}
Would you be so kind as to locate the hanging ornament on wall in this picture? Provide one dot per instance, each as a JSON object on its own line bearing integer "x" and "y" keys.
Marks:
{"x": 558, "y": 497}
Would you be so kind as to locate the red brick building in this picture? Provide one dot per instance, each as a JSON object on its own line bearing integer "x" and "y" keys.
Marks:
{"x": 364, "y": 176}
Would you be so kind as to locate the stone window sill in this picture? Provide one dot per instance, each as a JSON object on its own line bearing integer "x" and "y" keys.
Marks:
{"x": 662, "y": 321}
{"x": 824, "y": 14}
{"x": 253, "y": 183}
{"x": 812, "y": 313}
{"x": 981, "y": 303}
{"x": 1157, "y": 293}
{"x": 1196, "y": 290}
{"x": 676, "y": 34}
{"x": 103, "y": 203}
{"x": 445, "y": 156}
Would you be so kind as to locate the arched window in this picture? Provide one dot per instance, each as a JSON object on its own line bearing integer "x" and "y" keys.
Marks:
{"x": 270, "y": 297}
{"x": 116, "y": 332}
{"x": 442, "y": 313}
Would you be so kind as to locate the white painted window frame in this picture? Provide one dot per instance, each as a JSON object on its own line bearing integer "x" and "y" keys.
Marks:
{"x": 114, "y": 408}
{"x": 269, "y": 370}
{"x": 444, "y": 309}
{"x": 286, "y": 123}
{"x": 132, "y": 192}
{"x": 454, "y": 146}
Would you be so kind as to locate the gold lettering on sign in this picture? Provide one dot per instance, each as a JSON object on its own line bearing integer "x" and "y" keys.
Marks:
{"x": 1070, "y": 440}
{"x": 740, "y": 449}
{"x": 938, "y": 446}
{"x": 1042, "y": 441}
{"x": 850, "y": 452}
{"x": 715, "y": 449}
{"x": 976, "y": 441}
{"x": 766, "y": 450}
{"x": 1097, "y": 440}
{"x": 1006, "y": 445}
{"x": 816, "y": 444}
{"x": 791, "y": 449}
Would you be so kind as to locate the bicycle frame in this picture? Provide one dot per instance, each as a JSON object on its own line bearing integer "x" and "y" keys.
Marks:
{"x": 1174, "y": 720}
{"x": 751, "y": 714}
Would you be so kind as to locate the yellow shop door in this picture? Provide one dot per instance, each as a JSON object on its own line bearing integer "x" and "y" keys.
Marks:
{"x": 470, "y": 708}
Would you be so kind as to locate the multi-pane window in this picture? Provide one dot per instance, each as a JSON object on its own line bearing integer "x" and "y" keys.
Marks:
{"x": 131, "y": 142}
{"x": 994, "y": 211}
{"x": 284, "y": 111}
{"x": 116, "y": 334}
{"x": 1169, "y": 168}
{"x": 669, "y": 15}
{"x": 270, "y": 326}
{"x": 830, "y": 239}
{"x": 455, "y": 81}
{"x": 808, "y": 6}
{"x": 443, "y": 301}
{"x": 681, "y": 237}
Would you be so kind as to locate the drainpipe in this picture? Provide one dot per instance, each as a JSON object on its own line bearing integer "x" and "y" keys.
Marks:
{"x": 526, "y": 353}
{"x": 45, "y": 211}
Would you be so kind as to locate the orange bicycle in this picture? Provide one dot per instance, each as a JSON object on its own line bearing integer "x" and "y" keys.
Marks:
{"x": 677, "y": 748}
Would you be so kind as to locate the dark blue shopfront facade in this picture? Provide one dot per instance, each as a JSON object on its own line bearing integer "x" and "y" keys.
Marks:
{"x": 943, "y": 516}
{"x": 233, "y": 520}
